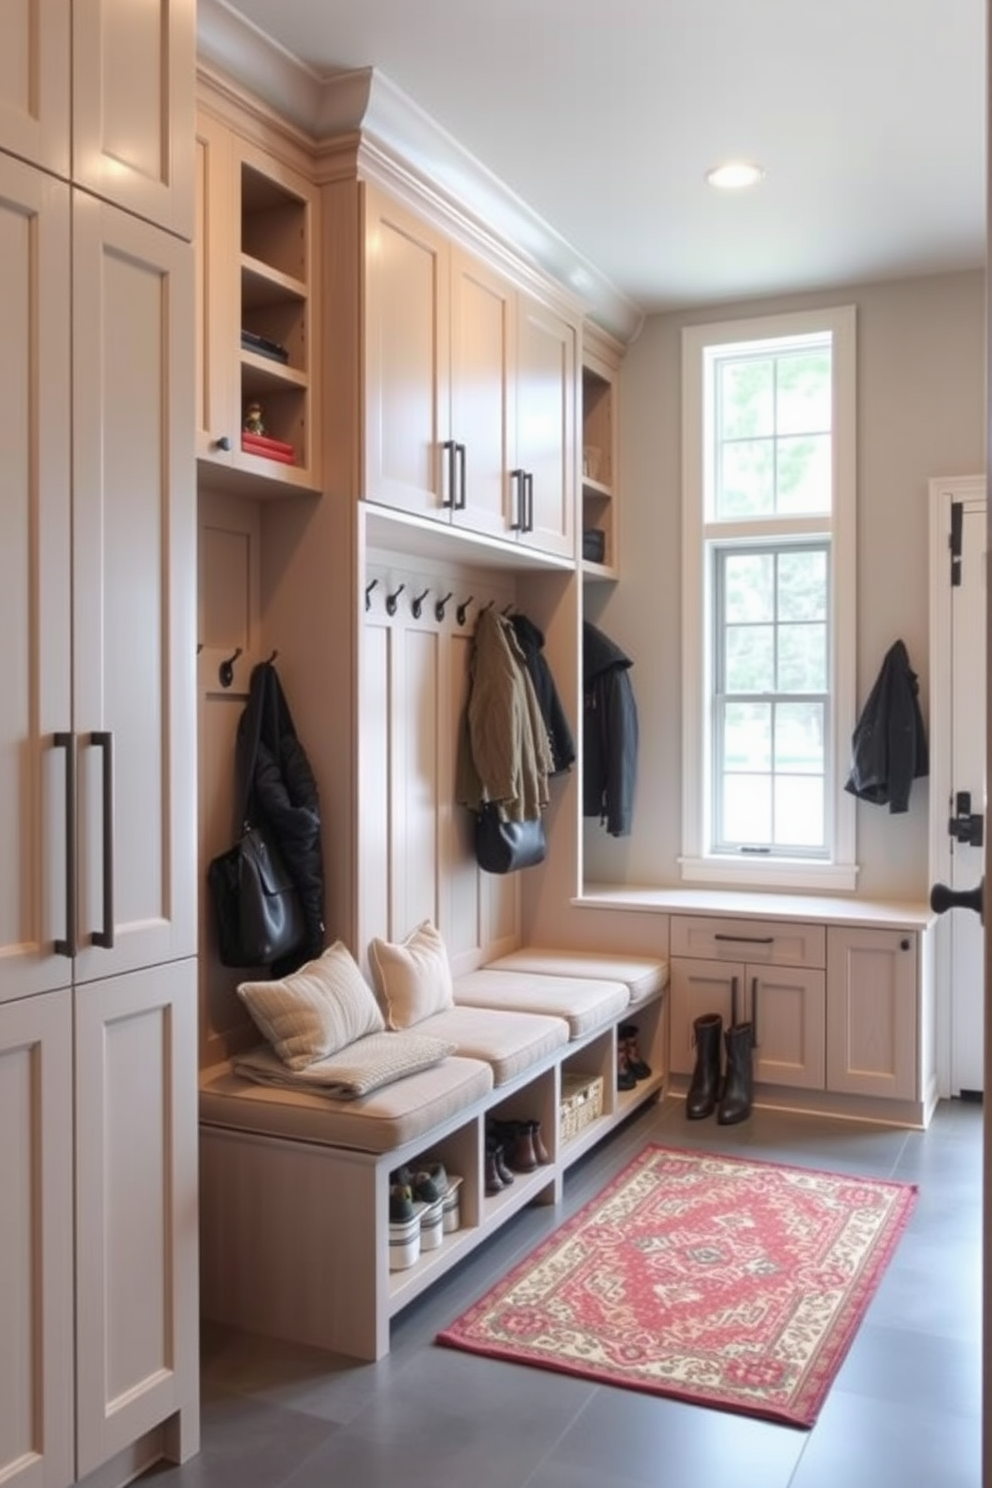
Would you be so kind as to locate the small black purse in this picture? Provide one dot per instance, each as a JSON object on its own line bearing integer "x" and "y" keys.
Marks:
{"x": 504, "y": 846}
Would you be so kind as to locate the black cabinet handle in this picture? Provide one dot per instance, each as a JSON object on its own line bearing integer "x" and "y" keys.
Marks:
{"x": 103, "y": 739}
{"x": 223, "y": 443}
{"x": 519, "y": 478}
{"x": 733, "y": 1002}
{"x": 748, "y": 939}
{"x": 529, "y": 502}
{"x": 448, "y": 498}
{"x": 67, "y": 947}
{"x": 461, "y": 497}
{"x": 754, "y": 1013}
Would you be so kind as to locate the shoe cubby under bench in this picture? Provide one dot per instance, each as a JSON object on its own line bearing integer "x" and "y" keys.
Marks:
{"x": 295, "y": 1189}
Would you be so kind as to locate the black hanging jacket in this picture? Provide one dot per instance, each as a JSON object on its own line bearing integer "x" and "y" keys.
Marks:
{"x": 609, "y": 737}
{"x": 283, "y": 792}
{"x": 889, "y": 746}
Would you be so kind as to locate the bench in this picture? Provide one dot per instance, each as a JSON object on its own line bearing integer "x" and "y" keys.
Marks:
{"x": 294, "y": 1209}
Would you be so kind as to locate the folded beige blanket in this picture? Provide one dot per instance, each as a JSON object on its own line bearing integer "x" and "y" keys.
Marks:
{"x": 364, "y": 1065}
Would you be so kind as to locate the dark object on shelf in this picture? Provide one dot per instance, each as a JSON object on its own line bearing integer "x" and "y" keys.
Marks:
{"x": 504, "y": 846}
{"x": 593, "y": 545}
{"x": 263, "y": 346}
{"x": 269, "y": 448}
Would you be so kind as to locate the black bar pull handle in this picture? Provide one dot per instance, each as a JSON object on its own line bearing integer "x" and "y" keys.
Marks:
{"x": 67, "y": 947}
{"x": 748, "y": 939}
{"x": 104, "y": 739}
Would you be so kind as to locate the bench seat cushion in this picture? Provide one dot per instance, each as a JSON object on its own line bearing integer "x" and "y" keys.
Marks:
{"x": 378, "y": 1122}
{"x": 642, "y": 975}
{"x": 585, "y": 1003}
{"x": 511, "y": 1042}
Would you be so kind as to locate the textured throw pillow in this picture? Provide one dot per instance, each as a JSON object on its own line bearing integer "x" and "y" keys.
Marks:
{"x": 413, "y": 979}
{"x": 319, "y": 1009}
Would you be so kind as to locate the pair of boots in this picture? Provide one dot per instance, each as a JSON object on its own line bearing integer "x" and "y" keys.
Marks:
{"x": 731, "y": 1099}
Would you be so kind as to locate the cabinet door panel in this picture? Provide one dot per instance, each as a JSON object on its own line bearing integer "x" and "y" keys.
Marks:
{"x": 136, "y": 1207}
{"x": 546, "y": 424}
{"x": 133, "y": 76}
{"x": 872, "y": 1012}
{"x": 788, "y": 1010}
{"x": 699, "y": 988}
{"x": 218, "y": 417}
{"x": 481, "y": 418}
{"x": 407, "y": 357}
{"x": 34, "y": 578}
{"x": 36, "y": 1339}
{"x": 34, "y": 82}
{"x": 134, "y": 590}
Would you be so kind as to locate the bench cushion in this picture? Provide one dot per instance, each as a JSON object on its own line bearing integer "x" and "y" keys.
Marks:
{"x": 585, "y": 1003}
{"x": 511, "y": 1042}
{"x": 642, "y": 975}
{"x": 379, "y": 1122}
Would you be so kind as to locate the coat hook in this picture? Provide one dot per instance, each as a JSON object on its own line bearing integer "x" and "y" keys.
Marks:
{"x": 392, "y": 598}
{"x": 508, "y": 609}
{"x": 199, "y": 647}
{"x": 272, "y": 658}
{"x": 368, "y": 593}
{"x": 417, "y": 604}
{"x": 462, "y": 611}
{"x": 439, "y": 607}
{"x": 487, "y": 606}
{"x": 225, "y": 672}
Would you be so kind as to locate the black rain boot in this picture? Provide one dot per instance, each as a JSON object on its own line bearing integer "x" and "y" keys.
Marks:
{"x": 705, "y": 1086}
{"x": 738, "y": 1085}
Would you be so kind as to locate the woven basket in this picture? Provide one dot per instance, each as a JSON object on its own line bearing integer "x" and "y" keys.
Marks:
{"x": 581, "y": 1103}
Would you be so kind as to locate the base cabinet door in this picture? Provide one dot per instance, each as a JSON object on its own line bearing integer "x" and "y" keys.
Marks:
{"x": 873, "y": 1020}
{"x": 36, "y": 1279}
{"x": 136, "y": 1211}
{"x": 785, "y": 1006}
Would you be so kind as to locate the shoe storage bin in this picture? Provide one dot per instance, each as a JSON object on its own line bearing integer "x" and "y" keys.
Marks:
{"x": 581, "y": 1102}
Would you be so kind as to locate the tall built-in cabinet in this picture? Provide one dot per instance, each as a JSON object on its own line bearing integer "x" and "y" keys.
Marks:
{"x": 98, "y": 1225}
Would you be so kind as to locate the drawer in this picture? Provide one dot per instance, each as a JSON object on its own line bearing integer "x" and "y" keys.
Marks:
{"x": 758, "y": 942}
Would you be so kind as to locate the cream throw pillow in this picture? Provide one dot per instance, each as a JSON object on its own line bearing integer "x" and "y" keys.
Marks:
{"x": 319, "y": 1009}
{"x": 413, "y": 979}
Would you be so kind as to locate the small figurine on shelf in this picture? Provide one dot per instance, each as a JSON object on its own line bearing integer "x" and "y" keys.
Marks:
{"x": 254, "y": 419}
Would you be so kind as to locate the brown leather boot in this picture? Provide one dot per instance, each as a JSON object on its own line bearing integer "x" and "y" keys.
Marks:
{"x": 704, "y": 1087}
{"x": 738, "y": 1086}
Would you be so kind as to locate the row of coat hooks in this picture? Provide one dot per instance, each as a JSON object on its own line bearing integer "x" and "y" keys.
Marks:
{"x": 417, "y": 603}
{"x": 225, "y": 672}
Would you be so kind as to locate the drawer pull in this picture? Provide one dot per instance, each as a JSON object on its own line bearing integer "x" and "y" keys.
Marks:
{"x": 748, "y": 939}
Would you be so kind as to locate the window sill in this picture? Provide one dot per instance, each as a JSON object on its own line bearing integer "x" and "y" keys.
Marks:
{"x": 770, "y": 873}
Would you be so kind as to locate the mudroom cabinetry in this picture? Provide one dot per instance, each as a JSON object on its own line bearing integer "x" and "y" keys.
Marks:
{"x": 469, "y": 387}
{"x": 98, "y": 1226}
{"x": 875, "y": 1031}
{"x": 600, "y": 452}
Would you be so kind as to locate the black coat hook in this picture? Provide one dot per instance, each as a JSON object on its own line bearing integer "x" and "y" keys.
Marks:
{"x": 439, "y": 607}
{"x": 272, "y": 658}
{"x": 225, "y": 672}
{"x": 368, "y": 593}
{"x": 461, "y": 613}
{"x": 417, "y": 604}
{"x": 392, "y": 598}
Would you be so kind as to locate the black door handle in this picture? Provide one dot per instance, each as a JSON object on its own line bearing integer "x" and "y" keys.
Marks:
{"x": 942, "y": 898}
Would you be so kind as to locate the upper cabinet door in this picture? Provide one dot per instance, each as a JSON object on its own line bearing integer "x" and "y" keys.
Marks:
{"x": 546, "y": 396}
{"x": 35, "y": 579}
{"x": 132, "y": 105}
{"x": 483, "y": 332}
{"x": 34, "y": 82}
{"x": 134, "y": 605}
{"x": 407, "y": 360}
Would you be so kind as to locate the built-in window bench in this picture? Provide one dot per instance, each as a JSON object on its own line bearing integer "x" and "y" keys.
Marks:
{"x": 842, "y": 993}
{"x": 295, "y": 1186}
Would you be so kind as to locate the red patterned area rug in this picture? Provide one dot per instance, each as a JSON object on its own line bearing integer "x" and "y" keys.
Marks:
{"x": 728, "y": 1282}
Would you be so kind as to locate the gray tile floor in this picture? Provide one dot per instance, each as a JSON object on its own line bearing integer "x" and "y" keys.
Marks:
{"x": 904, "y": 1411}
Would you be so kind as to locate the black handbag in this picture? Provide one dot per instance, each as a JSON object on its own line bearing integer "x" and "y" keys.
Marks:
{"x": 504, "y": 846}
{"x": 257, "y": 907}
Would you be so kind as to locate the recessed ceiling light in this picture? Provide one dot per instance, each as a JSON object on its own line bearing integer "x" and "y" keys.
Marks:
{"x": 734, "y": 175}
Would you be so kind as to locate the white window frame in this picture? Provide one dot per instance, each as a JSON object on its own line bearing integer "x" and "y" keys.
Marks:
{"x": 697, "y": 863}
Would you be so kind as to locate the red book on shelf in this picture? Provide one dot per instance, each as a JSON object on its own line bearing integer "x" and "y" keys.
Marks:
{"x": 271, "y": 449}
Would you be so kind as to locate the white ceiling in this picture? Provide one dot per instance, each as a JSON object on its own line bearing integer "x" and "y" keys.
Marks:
{"x": 867, "y": 115}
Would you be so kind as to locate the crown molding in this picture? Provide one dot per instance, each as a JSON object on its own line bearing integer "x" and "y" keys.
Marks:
{"x": 367, "y": 102}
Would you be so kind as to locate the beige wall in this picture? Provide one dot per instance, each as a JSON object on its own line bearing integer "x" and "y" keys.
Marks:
{"x": 920, "y": 414}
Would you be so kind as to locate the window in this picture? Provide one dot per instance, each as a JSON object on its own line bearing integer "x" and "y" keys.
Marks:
{"x": 769, "y": 591}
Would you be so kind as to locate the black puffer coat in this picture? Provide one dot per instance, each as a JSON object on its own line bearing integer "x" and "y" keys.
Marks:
{"x": 609, "y": 734}
{"x": 283, "y": 793}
